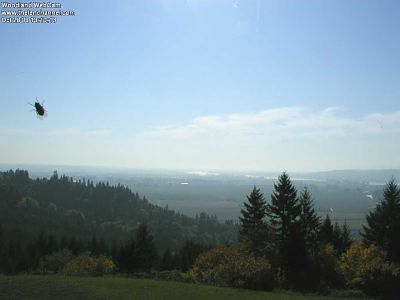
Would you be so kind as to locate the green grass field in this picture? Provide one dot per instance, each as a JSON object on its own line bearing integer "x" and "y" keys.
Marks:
{"x": 75, "y": 288}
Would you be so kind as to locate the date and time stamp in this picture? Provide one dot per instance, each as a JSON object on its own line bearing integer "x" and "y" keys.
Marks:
{"x": 33, "y": 12}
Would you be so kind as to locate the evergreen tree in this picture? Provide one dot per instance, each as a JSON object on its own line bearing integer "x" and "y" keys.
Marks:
{"x": 310, "y": 221}
{"x": 284, "y": 212}
{"x": 326, "y": 232}
{"x": 284, "y": 209}
{"x": 383, "y": 224}
{"x": 42, "y": 244}
{"x": 113, "y": 251}
{"x": 337, "y": 237}
{"x": 73, "y": 245}
{"x": 64, "y": 243}
{"x": 345, "y": 239}
{"x": 102, "y": 246}
{"x": 51, "y": 245}
{"x": 94, "y": 247}
{"x": 126, "y": 257}
{"x": 2, "y": 250}
{"x": 1, "y": 239}
{"x": 188, "y": 254}
{"x": 167, "y": 261}
{"x": 146, "y": 253}
{"x": 254, "y": 230}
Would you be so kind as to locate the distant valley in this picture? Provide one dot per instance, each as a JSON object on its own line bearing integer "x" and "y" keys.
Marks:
{"x": 346, "y": 195}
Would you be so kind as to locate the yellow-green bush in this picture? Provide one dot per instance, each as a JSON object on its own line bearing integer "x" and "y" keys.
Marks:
{"x": 229, "y": 267}
{"x": 365, "y": 267}
{"x": 86, "y": 264}
{"x": 356, "y": 261}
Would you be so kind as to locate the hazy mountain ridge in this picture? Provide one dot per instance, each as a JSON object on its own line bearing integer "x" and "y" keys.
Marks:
{"x": 357, "y": 175}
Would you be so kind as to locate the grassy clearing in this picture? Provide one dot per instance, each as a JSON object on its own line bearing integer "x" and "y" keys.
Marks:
{"x": 24, "y": 287}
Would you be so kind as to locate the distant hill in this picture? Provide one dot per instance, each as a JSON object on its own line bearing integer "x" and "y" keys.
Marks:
{"x": 350, "y": 193}
{"x": 380, "y": 176}
{"x": 369, "y": 176}
{"x": 66, "y": 206}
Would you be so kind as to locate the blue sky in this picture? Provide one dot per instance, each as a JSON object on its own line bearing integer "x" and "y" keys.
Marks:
{"x": 216, "y": 85}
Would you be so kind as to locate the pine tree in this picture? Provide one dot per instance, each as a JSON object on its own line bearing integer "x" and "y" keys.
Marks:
{"x": 284, "y": 209}
{"x": 284, "y": 212}
{"x": 188, "y": 254}
{"x": 94, "y": 246}
{"x": 167, "y": 261}
{"x": 310, "y": 221}
{"x": 345, "y": 238}
{"x": 337, "y": 237}
{"x": 42, "y": 244}
{"x": 51, "y": 244}
{"x": 254, "y": 230}
{"x": 146, "y": 253}
{"x": 326, "y": 232}
{"x": 1, "y": 238}
{"x": 383, "y": 224}
{"x": 102, "y": 246}
{"x": 2, "y": 250}
{"x": 126, "y": 257}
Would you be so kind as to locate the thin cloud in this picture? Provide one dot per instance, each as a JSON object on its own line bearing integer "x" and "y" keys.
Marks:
{"x": 287, "y": 122}
{"x": 78, "y": 132}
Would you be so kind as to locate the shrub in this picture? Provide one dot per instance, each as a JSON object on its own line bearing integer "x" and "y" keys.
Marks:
{"x": 382, "y": 280}
{"x": 357, "y": 260}
{"x": 365, "y": 268}
{"x": 347, "y": 294}
{"x": 173, "y": 275}
{"x": 229, "y": 267}
{"x": 56, "y": 261}
{"x": 86, "y": 264}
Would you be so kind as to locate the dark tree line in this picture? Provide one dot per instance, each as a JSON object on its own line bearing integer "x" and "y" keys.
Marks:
{"x": 288, "y": 232}
{"x": 42, "y": 216}
{"x": 304, "y": 250}
{"x": 383, "y": 224}
{"x": 63, "y": 206}
{"x": 283, "y": 239}
{"x": 138, "y": 254}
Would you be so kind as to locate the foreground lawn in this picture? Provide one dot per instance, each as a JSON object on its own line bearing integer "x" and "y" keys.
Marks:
{"x": 61, "y": 287}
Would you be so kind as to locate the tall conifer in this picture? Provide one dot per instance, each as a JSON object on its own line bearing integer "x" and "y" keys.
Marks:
{"x": 309, "y": 220}
{"x": 383, "y": 224}
{"x": 284, "y": 209}
{"x": 254, "y": 230}
{"x": 284, "y": 212}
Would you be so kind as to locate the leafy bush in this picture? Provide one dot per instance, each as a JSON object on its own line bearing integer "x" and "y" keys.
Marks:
{"x": 365, "y": 268}
{"x": 86, "y": 264}
{"x": 357, "y": 260}
{"x": 56, "y": 261}
{"x": 229, "y": 267}
{"x": 173, "y": 275}
{"x": 348, "y": 294}
{"x": 382, "y": 280}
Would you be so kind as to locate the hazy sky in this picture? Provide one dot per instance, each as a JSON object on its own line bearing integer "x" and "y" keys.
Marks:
{"x": 206, "y": 85}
